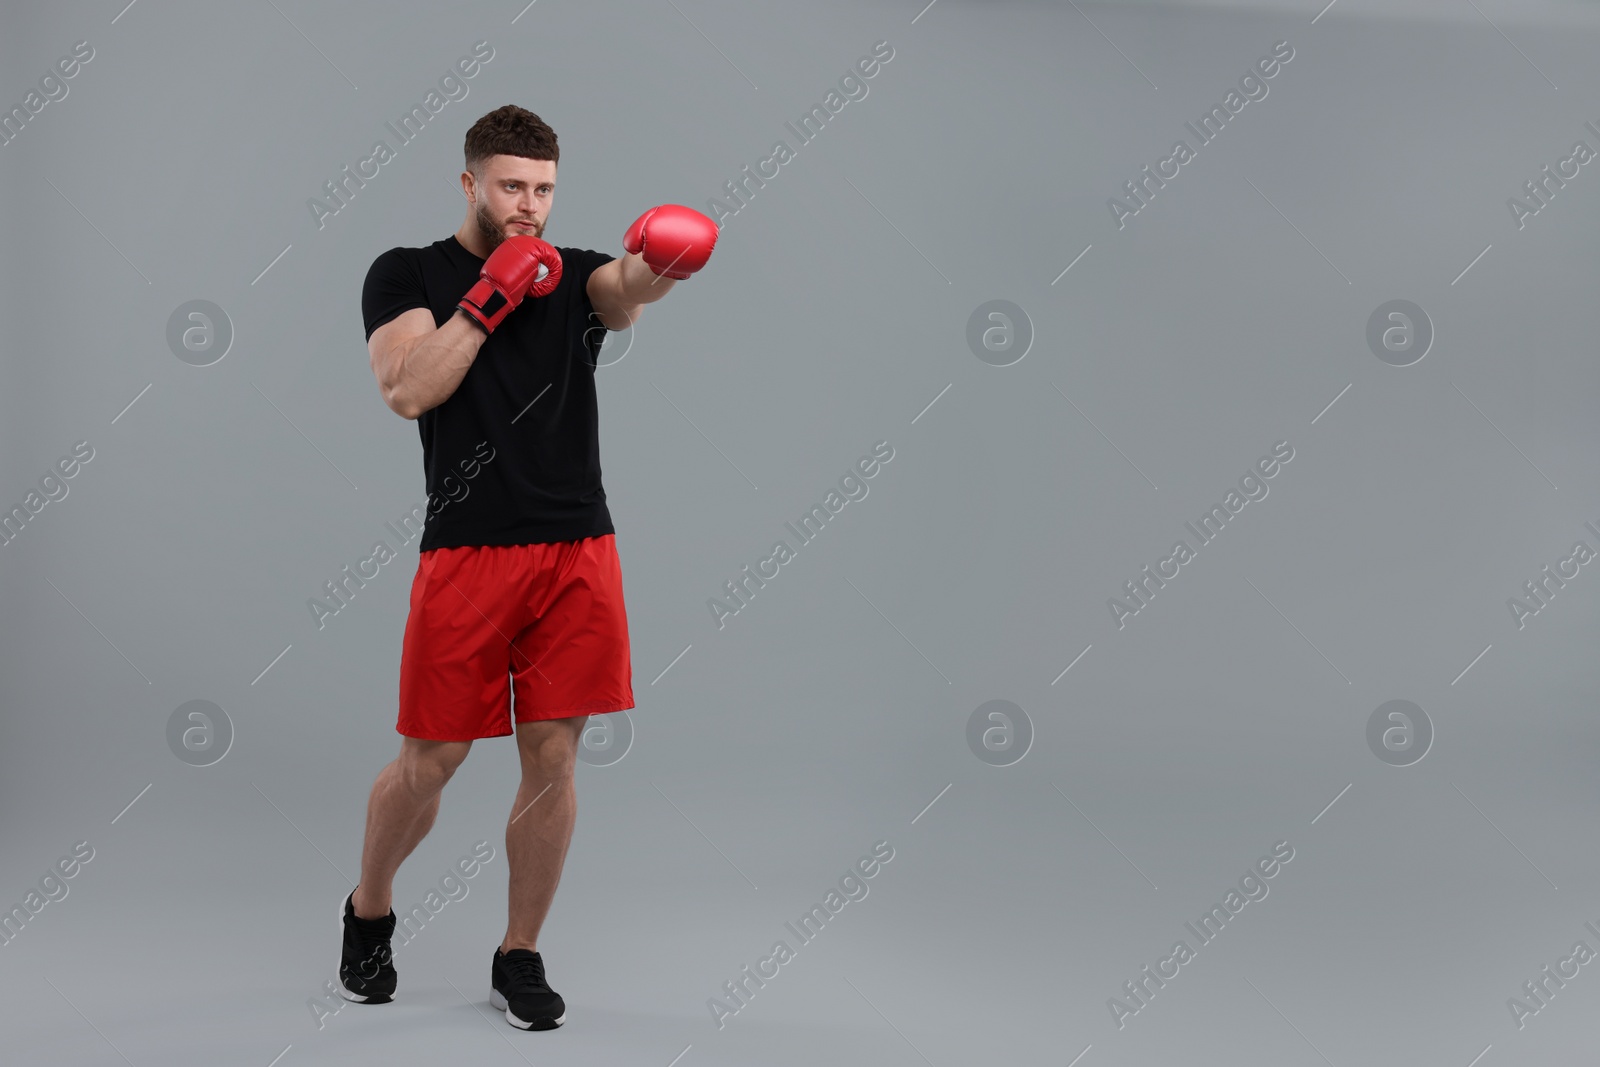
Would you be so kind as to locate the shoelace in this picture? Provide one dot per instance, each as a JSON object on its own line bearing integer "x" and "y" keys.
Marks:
{"x": 524, "y": 970}
{"x": 375, "y": 951}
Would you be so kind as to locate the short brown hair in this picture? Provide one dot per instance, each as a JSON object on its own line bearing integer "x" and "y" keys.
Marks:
{"x": 510, "y": 131}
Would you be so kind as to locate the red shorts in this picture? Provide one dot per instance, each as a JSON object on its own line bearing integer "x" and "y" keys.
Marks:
{"x": 545, "y": 622}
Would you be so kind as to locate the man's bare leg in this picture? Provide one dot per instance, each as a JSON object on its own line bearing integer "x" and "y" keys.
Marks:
{"x": 541, "y": 822}
{"x": 400, "y": 812}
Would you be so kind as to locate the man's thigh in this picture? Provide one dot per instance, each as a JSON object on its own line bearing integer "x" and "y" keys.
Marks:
{"x": 574, "y": 658}
{"x": 457, "y": 656}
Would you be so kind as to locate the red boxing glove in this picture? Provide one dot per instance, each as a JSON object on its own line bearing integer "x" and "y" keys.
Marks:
{"x": 507, "y": 276}
{"x": 675, "y": 240}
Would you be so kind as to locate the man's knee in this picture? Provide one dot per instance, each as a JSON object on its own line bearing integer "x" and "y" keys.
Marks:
{"x": 550, "y": 746}
{"x": 425, "y": 766}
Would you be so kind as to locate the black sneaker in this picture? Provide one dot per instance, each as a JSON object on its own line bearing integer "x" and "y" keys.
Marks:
{"x": 366, "y": 969}
{"x": 518, "y": 986}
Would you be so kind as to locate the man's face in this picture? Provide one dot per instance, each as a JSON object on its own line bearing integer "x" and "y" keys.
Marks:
{"x": 513, "y": 197}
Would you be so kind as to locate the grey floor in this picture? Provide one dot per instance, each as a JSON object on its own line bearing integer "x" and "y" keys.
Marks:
{"x": 1142, "y": 765}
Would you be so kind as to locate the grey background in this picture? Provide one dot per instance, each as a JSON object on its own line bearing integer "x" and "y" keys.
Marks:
{"x": 827, "y": 715}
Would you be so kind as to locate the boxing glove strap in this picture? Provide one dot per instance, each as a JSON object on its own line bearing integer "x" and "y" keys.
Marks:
{"x": 485, "y": 304}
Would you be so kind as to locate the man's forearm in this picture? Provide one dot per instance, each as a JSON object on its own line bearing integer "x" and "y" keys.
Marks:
{"x": 432, "y": 369}
{"x": 640, "y": 284}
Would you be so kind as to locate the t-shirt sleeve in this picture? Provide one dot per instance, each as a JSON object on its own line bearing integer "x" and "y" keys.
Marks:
{"x": 583, "y": 262}
{"x": 393, "y": 286}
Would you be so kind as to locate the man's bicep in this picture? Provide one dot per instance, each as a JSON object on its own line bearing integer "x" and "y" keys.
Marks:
{"x": 604, "y": 289}
{"x": 389, "y": 340}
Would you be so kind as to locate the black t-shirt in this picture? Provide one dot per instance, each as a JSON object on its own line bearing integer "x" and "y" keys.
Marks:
{"x": 513, "y": 455}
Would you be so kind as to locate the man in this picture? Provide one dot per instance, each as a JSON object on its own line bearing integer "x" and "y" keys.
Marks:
{"x": 488, "y": 339}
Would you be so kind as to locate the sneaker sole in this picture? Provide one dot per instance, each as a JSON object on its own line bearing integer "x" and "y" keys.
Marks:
{"x": 498, "y": 1003}
{"x": 355, "y": 998}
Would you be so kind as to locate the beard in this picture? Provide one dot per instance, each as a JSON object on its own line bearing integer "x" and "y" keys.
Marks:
{"x": 493, "y": 233}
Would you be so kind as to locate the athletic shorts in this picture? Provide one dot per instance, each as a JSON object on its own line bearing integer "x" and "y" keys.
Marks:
{"x": 544, "y": 623}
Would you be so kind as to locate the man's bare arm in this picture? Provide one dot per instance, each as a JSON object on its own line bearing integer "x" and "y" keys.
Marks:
{"x": 620, "y": 289}
{"x": 417, "y": 366}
